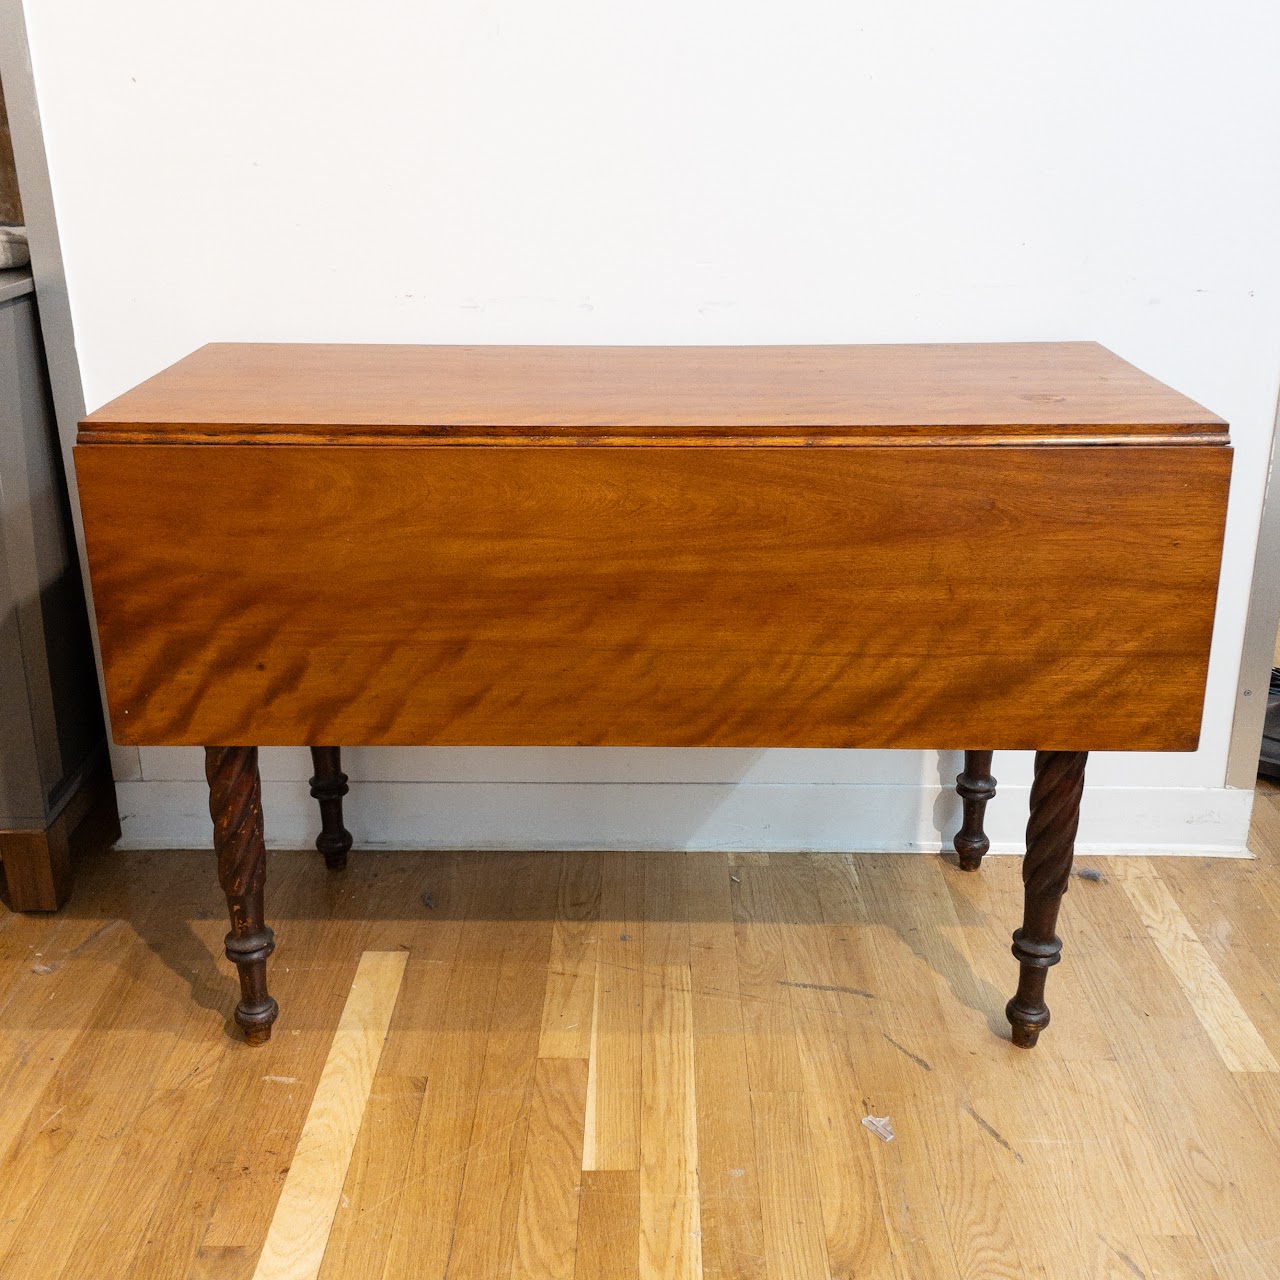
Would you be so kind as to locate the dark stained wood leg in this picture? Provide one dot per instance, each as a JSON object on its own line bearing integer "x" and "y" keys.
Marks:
{"x": 975, "y": 786}
{"x": 328, "y": 786}
{"x": 235, "y": 804}
{"x": 1051, "y": 837}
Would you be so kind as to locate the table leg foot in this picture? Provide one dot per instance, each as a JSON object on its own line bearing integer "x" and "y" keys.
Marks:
{"x": 975, "y": 786}
{"x": 1046, "y": 869}
{"x": 328, "y": 786}
{"x": 235, "y": 804}
{"x": 257, "y": 1010}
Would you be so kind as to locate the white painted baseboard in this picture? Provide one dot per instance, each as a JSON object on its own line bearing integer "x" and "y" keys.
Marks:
{"x": 773, "y": 816}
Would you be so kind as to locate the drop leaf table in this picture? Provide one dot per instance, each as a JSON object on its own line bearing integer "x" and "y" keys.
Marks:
{"x": 978, "y": 547}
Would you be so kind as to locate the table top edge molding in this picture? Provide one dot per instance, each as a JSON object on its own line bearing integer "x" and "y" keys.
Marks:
{"x": 774, "y": 395}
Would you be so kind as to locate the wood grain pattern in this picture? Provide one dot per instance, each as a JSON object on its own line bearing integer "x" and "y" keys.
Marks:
{"x": 670, "y": 1226}
{"x": 609, "y": 1226}
{"x": 375, "y": 1176}
{"x": 241, "y": 1207}
{"x": 611, "y": 1140}
{"x": 1124, "y": 1140}
{"x": 875, "y": 597}
{"x": 728, "y": 1184}
{"x": 856, "y": 1241}
{"x": 484, "y": 1240}
{"x": 768, "y": 1025}
{"x": 1220, "y": 1012}
{"x": 203, "y": 1208}
{"x": 299, "y": 1232}
{"x": 789, "y": 1198}
{"x": 994, "y": 390}
{"x": 1181, "y": 1085}
{"x": 547, "y": 1225}
{"x": 568, "y": 1019}
{"x": 452, "y": 1062}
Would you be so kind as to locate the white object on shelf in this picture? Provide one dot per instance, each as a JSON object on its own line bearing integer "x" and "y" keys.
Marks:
{"x": 13, "y": 247}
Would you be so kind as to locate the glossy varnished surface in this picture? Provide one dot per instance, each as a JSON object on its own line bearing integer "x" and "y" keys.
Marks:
{"x": 575, "y": 1032}
{"x": 620, "y": 393}
{"x": 1058, "y": 598}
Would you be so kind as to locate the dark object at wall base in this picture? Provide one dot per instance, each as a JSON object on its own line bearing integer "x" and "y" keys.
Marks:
{"x": 1269, "y": 760}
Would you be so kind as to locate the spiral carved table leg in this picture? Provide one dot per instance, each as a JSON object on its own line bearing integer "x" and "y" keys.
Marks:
{"x": 328, "y": 786}
{"x": 235, "y": 804}
{"x": 1051, "y": 836}
{"x": 975, "y": 786}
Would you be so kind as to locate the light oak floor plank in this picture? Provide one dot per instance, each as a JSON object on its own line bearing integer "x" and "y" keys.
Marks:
{"x": 370, "y": 1199}
{"x": 550, "y": 1191}
{"x": 670, "y": 1220}
{"x": 485, "y": 1227}
{"x": 299, "y": 1231}
{"x": 728, "y": 1175}
{"x": 567, "y": 1015}
{"x": 451, "y": 1057}
{"x": 795, "y": 1243}
{"x": 611, "y": 1137}
{"x": 1221, "y": 1014}
{"x": 608, "y": 1246}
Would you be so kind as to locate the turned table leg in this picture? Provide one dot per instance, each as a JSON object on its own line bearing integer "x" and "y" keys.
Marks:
{"x": 975, "y": 786}
{"x": 328, "y": 786}
{"x": 235, "y": 804}
{"x": 1051, "y": 836}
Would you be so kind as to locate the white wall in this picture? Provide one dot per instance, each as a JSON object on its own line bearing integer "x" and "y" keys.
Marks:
{"x": 704, "y": 171}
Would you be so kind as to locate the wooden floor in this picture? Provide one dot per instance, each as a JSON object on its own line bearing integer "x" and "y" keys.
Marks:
{"x": 617, "y": 1066}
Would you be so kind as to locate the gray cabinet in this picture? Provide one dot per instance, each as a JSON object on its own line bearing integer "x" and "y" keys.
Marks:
{"x": 55, "y": 783}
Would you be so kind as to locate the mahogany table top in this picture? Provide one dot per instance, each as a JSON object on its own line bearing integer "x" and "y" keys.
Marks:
{"x": 970, "y": 391}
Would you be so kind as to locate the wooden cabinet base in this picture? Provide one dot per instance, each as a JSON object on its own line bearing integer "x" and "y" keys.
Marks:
{"x": 37, "y": 863}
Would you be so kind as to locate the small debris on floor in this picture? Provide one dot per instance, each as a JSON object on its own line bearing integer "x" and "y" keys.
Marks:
{"x": 881, "y": 1126}
{"x": 624, "y": 937}
{"x": 429, "y": 900}
{"x": 1088, "y": 873}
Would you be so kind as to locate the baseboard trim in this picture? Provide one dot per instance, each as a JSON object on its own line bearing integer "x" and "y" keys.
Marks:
{"x": 782, "y": 817}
